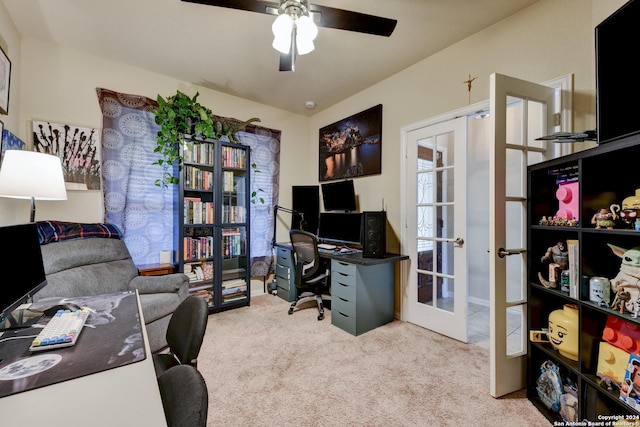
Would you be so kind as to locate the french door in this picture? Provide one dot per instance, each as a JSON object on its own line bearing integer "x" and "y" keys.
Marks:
{"x": 435, "y": 226}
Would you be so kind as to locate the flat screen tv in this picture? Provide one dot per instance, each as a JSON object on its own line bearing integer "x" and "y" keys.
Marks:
{"x": 340, "y": 228}
{"x": 22, "y": 260}
{"x": 339, "y": 196}
{"x": 617, "y": 90}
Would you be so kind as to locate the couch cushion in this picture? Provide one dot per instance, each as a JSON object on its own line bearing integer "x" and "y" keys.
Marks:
{"x": 156, "y": 306}
{"x": 79, "y": 252}
{"x": 91, "y": 279}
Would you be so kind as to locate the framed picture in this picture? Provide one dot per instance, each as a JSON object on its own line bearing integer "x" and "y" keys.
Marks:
{"x": 5, "y": 76}
{"x": 78, "y": 149}
{"x": 351, "y": 147}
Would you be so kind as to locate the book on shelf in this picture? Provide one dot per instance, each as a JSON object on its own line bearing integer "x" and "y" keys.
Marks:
{"x": 573, "y": 249}
{"x": 233, "y": 283}
{"x": 236, "y": 290}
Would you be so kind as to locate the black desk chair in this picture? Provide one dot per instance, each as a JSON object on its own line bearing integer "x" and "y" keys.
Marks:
{"x": 185, "y": 334}
{"x": 310, "y": 275}
{"x": 184, "y": 397}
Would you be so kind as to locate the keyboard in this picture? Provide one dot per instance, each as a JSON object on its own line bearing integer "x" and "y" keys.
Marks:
{"x": 62, "y": 330}
{"x": 326, "y": 246}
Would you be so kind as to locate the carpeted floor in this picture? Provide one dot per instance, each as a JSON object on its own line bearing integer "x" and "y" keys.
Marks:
{"x": 266, "y": 368}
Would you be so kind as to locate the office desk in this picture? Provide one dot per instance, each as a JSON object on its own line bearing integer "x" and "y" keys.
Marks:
{"x": 124, "y": 395}
{"x": 362, "y": 289}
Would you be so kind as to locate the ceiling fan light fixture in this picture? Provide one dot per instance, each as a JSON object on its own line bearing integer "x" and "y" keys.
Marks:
{"x": 306, "y": 32}
{"x": 282, "y": 28}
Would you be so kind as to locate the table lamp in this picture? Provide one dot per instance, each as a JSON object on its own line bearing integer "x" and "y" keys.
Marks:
{"x": 31, "y": 175}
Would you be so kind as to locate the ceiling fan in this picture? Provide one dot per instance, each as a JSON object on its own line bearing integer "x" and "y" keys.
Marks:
{"x": 295, "y": 39}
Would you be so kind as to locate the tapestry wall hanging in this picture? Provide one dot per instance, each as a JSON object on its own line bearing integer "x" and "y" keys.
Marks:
{"x": 78, "y": 149}
{"x": 352, "y": 147}
{"x": 9, "y": 142}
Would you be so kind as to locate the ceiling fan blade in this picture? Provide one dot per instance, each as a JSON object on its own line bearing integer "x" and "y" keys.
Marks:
{"x": 287, "y": 62}
{"x": 323, "y": 16}
{"x": 352, "y": 21}
{"x": 268, "y": 7}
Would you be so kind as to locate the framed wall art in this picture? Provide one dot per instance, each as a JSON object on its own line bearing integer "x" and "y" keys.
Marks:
{"x": 351, "y": 147}
{"x": 78, "y": 149}
{"x": 5, "y": 77}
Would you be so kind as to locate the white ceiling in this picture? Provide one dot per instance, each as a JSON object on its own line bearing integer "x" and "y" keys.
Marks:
{"x": 230, "y": 50}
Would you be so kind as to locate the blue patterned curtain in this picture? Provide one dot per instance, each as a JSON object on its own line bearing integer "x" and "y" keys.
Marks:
{"x": 144, "y": 212}
{"x": 265, "y": 153}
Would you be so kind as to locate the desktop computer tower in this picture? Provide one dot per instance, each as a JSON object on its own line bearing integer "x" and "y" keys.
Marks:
{"x": 374, "y": 234}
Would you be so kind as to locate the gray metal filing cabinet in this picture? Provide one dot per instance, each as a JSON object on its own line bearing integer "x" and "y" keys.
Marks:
{"x": 285, "y": 274}
{"x": 361, "y": 295}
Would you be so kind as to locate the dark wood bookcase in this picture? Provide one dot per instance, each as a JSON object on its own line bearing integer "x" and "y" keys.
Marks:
{"x": 606, "y": 175}
{"x": 214, "y": 223}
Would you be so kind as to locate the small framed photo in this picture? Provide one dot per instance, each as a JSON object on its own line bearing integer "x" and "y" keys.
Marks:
{"x": 5, "y": 76}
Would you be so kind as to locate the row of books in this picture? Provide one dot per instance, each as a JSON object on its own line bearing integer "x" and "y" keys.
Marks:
{"x": 199, "y": 272}
{"x": 232, "y": 243}
{"x": 197, "y": 179}
{"x": 198, "y": 247}
{"x": 233, "y": 289}
{"x": 198, "y": 153}
{"x": 233, "y": 157}
{"x": 233, "y": 214}
{"x": 197, "y": 212}
{"x": 228, "y": 181}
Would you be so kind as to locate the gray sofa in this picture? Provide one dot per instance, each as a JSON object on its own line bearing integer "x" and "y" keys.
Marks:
{"x": 94, "y": 266}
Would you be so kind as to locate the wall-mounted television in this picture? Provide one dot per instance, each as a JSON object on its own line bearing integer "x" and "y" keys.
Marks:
{"x": 340, "y": 227}
{"x": 617, "y": 90}
{"x": 20, "y": 253}
{"x": 339, "y": 196}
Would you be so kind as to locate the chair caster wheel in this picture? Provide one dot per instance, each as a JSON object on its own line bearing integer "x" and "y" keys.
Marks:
{"x": 291, "y": 311}
{"x": 320, "y": 316}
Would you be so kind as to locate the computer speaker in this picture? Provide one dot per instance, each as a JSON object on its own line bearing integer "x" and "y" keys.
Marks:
{"x": 374, "y": 234}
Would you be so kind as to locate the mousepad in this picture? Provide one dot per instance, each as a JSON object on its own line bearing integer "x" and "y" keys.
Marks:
{"x": 111, "y": 337}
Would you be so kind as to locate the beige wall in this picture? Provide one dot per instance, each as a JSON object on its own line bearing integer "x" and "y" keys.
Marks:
{"x": 550, "y": 39}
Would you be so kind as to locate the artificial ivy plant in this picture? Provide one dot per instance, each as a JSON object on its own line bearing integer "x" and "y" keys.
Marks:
{"x": 179, "y": 115}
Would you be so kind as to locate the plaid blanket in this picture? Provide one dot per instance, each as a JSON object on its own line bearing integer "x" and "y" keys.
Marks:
{"x": 55, "y": 231}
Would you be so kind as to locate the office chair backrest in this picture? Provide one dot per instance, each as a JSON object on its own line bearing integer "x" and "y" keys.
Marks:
{"x": 186, "y": 329}
{"x": 305, "y": 246}
{"x": 184, "y": 397}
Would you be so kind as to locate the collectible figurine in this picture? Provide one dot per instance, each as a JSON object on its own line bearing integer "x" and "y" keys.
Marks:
{"x": 636, "y": 308}
{"x": 621, "y": 299}
{"x": 629, "y": 275}
{"x": 604, "y": 218}
{"x": 559, "y": 261}
{"x": 630, "y": 210}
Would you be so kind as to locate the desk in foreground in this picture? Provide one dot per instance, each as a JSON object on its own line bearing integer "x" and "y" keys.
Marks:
{"x": 123, "y": 395}
{"x": 362, "y": 289}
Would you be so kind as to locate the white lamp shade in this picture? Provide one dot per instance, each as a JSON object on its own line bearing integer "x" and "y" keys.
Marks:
{"x": 306, "y": 28}
{"x": 29, "y": 174}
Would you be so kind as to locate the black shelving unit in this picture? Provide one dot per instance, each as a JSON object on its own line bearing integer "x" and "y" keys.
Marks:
{"x": 214, "y": 222}
{"x": 606, "y": 174}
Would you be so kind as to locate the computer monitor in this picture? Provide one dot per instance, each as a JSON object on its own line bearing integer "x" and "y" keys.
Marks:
{"x": 22, "y": 261}
{"x": 339, "y": 196}
{"x": 340, "y": 228}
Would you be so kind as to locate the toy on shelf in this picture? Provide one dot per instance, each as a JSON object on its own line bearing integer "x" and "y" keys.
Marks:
{"x": 567, "y": 195}
{"x": 622, "y": 334}
{"x": 600, "y": 291}
{"x": 558, "y": 258}
{"x": 612, "y": 365}
{"x": 557, "y": 391}
{"x": 630, "y": 389}
{"x": 629, "y": 275}
{"x": 630, "y": 210}
{"x": 621, "y": 300}
{"x": 605, "y": 218}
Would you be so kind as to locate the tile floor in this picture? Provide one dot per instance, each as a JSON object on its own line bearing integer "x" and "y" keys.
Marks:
{"x": 478, "y": 328}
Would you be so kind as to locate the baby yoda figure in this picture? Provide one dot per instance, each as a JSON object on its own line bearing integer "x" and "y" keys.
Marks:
{"x": 629, "y": 275}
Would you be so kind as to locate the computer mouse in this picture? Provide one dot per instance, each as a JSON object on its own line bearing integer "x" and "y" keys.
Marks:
{"x": 62, "y": 306}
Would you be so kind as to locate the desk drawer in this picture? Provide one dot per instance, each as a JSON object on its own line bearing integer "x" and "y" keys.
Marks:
{"x": 343, "y": 321}
{"x": 285, "y": 256}
{"x": 344, "y": 287}
{"x": 343, "y": 267}
{"x": 286, "y": 290}
{"x": 283, "y": 271}
{"x": 343, "y": 305}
